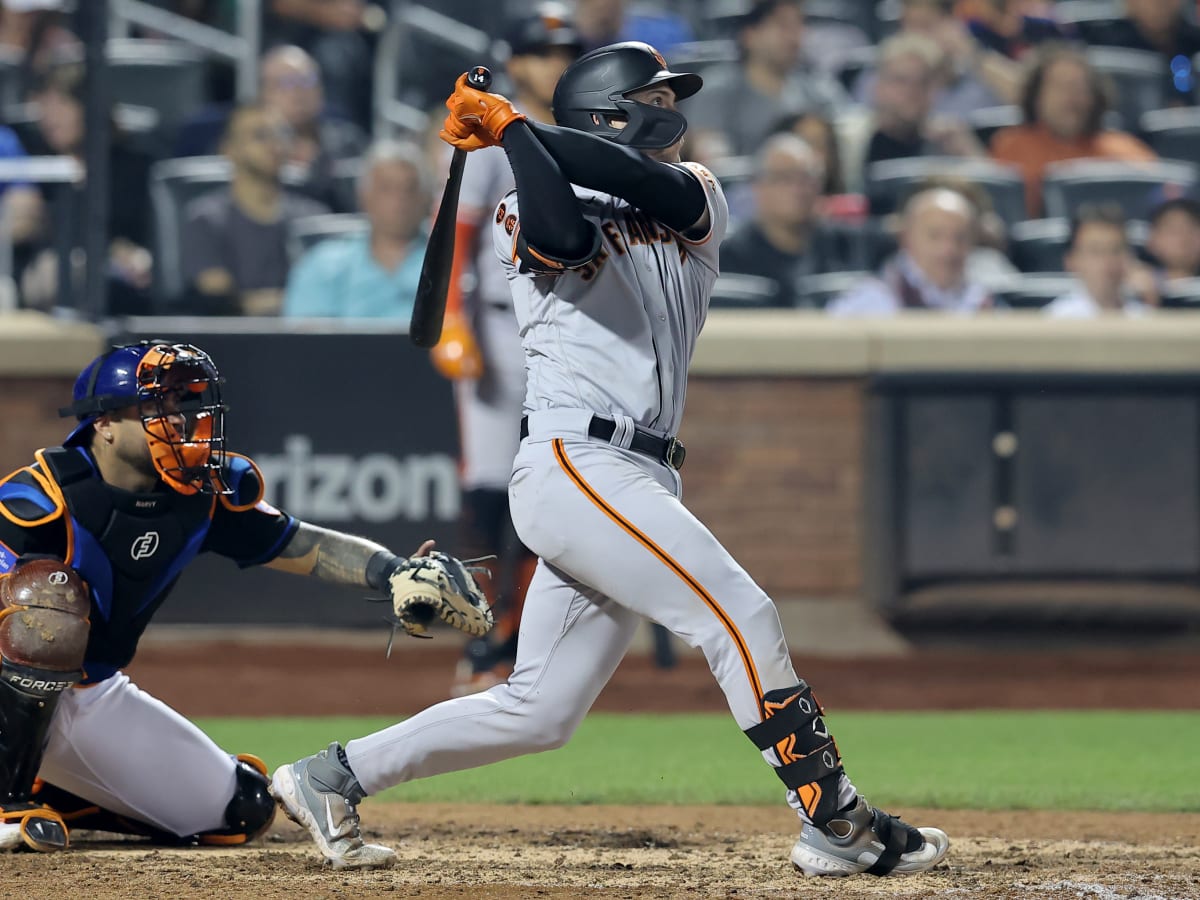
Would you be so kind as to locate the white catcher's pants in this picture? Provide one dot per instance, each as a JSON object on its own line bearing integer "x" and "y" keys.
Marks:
{"x": 130, "y": 753}
{"x": 616, "y": 544}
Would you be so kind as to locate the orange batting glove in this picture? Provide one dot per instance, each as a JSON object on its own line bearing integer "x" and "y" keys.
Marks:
{"x": 464, "y": 136}
{"x": 490, "y": 113}
{"x": 457, "y": 355}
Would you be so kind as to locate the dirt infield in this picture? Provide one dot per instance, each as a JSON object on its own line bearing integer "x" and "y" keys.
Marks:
{"x": 507, "y": 853}
{"x": 514, "y": 853}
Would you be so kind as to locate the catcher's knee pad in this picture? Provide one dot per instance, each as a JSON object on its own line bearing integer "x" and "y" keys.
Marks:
{"x": 809, "y": 762}
{"x": 251, "y": 809}
{"x": 43, "y": 634}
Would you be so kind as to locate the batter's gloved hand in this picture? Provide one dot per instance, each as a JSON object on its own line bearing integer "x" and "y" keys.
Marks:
{"x": 488, "y": 114}
{"x": 457, "y": 354}
{"x": 438, "y": 586}
{"x": 464, "y": 136}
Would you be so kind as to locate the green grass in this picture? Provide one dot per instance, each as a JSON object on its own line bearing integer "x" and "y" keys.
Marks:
{"x": 976, "y": 760}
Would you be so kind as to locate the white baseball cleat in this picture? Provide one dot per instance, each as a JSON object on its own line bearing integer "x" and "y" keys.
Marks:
{"x": 320, "y": 793}
{"x": 864, "y": 839}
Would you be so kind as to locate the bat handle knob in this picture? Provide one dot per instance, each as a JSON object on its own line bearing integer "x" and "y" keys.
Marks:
{"x": 480, "y": 78}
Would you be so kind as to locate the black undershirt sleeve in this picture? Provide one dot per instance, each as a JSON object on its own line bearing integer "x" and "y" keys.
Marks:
{"x": 668, "y": 193}
{"x": 551, "y": 220}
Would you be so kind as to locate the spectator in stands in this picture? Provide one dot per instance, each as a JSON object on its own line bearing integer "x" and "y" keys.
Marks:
{"x": 938, "y": 230}
{"x": 1108, "y": 279}
{"x": 34, "y": 29}
{"x": 902, "y": 125}
{"x": 739, "y": 105}
{"x": 969, "y": 77}
{"x": 785, "y": 240}
{"x": 1063, "y": 101}
{"x": 818, "y": 132}
{"x": 1009, "y": 27}
{"x": 59, "y": 101}
{"x": 375, "y": 275}
{"x": 1159, "y": 26}
{"x": 603, "y": 22}
{"x": 1174, "y": 241}
{"x": 335, "y": 32}
{"x": 24, "y": 212}
{"x": 234, "y": 253}
{"x": 290, "y": 82}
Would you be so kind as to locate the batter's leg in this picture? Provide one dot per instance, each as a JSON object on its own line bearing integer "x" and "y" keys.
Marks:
{"x": 571, "y": 642}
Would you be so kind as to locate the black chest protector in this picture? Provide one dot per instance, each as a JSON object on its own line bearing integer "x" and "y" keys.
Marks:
{"x": 129, "y": 547}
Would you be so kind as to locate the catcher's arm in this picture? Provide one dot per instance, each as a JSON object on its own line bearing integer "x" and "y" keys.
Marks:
{"x": 337, "y": 557}
{"x": 426, "y": 586}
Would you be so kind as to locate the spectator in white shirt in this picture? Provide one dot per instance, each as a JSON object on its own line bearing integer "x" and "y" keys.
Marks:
{"x": 938, "y": 230}
{"x": 1108, "y": 278}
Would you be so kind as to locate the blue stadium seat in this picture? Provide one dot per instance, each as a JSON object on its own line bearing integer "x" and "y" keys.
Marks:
{"x": 1033, "y": 290}
{"x": 889, "y": 182}
{"x": 1068, "y": 184}
{"x": 1174, "y": 133}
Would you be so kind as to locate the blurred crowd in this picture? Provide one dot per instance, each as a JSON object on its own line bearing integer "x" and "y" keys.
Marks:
{"x": 878, "y": 155}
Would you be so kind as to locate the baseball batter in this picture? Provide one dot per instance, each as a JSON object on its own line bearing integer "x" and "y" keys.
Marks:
{"x": 93, "y": 536}
{"x": 481, "y": 351}
{"x": 611, "y": 245}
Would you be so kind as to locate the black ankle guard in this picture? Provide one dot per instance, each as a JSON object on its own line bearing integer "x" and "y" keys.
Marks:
{"x": 809, "y": 762}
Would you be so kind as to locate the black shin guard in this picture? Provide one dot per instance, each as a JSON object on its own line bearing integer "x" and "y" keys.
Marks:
{"x": 28, "y": 698}
{"x": 809, "y": 762}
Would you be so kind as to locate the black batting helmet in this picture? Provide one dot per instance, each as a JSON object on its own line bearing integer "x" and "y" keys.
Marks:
{"x": 594, "y": 89}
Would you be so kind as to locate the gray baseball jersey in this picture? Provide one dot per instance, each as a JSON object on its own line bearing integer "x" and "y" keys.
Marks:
{"x": 616, "y": 336}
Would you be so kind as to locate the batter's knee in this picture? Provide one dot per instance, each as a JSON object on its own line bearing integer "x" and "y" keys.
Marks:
{"x": 552, "y": 729}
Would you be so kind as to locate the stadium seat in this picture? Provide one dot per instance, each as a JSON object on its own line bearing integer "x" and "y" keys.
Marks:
{"x": 888, "y": 183}
{"x": 1088, "y": 18}
{"x": 173, "y": 184}
{"x": 987, "y": 121}
{"x": 1069, "y": 184}
{"x": 853, "y": 63}
{"x": 346, "y": 173}
{"x": 702, "y": 57}
{"x": 306, "y": 233}
{"x": 1033, "y": 290}
{"x": 166, "y": 76}
{"x": 815, "y": 291}
{"x": 1039, "y": 245}
{"x": 1138, "y": 75}
{"x": 744, "y": 292}
{"x": 1183, "y": 294}
{"x": 1174, "y": 133}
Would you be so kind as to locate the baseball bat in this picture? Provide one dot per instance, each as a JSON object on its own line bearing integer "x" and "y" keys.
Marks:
{"x": 429, "y": 308}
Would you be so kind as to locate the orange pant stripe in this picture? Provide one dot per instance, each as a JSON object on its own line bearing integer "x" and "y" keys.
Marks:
{"x": 751, "y": 673}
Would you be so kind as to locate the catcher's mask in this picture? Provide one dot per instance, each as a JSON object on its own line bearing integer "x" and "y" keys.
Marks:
{"x": 176, "y": 391}
{"x": 593, "y": 94}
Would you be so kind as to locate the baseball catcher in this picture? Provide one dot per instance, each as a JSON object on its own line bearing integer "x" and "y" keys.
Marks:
{"x": 93, "y": 535}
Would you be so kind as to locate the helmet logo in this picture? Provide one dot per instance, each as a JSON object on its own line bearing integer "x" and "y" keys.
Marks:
{"x": 659, "y": 57}
{"x": 145, "y": 546}
{"x": 57, "y": 578}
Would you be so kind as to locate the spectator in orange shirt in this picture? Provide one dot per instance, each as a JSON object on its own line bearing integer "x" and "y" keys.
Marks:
{"x": 1064, "y": 101}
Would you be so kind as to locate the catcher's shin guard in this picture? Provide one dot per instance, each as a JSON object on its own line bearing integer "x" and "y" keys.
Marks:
{"x": 43, "y": 634}
{"x": 809, "y": 762}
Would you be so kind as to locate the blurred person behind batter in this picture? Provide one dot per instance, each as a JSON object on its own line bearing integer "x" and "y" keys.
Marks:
{"x": 93, "y": 536}
{"x": 481, "y": 352}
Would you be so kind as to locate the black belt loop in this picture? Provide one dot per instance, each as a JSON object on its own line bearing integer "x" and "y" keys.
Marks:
{"x": 668, "y": 450}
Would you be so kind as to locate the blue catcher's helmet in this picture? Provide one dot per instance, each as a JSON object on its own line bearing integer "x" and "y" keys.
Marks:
{"x": 176, "y": 389}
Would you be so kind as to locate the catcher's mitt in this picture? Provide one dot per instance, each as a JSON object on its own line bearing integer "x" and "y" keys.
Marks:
{"x": 437, "y": 586}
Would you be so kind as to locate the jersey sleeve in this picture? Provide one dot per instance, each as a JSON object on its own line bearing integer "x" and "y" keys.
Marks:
{"x": 517, "y": 255}
{"x": 706, "y": 247}
{"x": 245, "y": 528}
